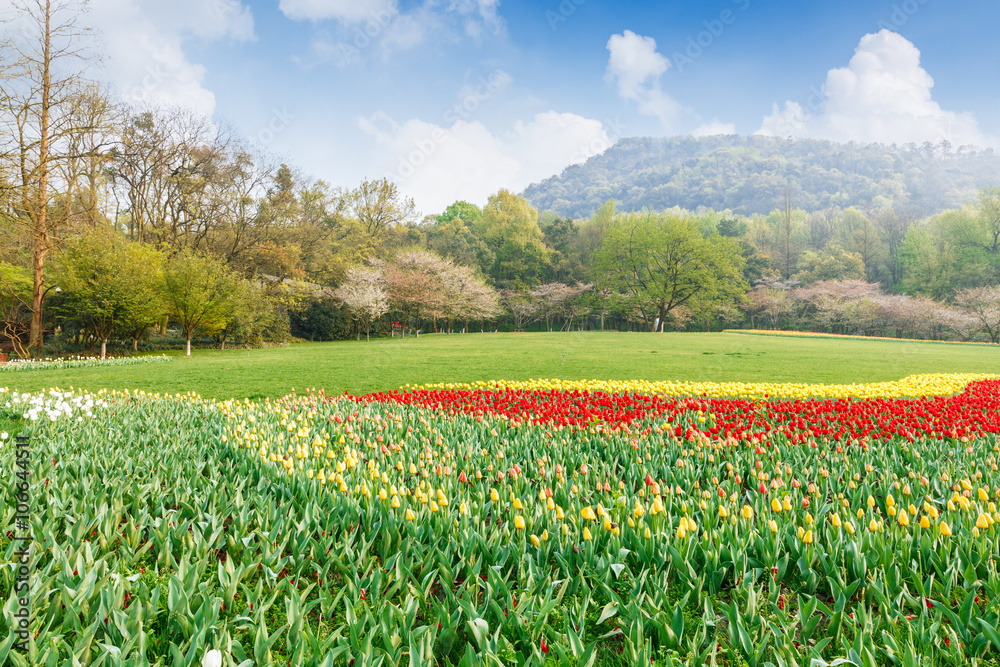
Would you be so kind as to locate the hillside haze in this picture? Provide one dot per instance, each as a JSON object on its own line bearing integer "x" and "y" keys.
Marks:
{"x": 750, "y": 175}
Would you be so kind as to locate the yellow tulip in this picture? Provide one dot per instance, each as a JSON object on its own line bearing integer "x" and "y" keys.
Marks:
{"x": 983, "y": 496}
{"x": 410, "y": 516}
{"x": 982, "y": 523}
{"x": 925, "y": 522}
{"x": 519, "y": 522}
{"x": 586, "y": 534}
{"x": 808, "y": 537}
{"x": 775, "y": 505}
{"x": 903, "y": 519}
{"x": 872, "y": 526}
{"x": 494, "y": 496}
{"x": 747, "y": 512}
{"x": 835, "y": 520}
{"x": 535, "y": 541}
{"x": 945, "y": 529}
{"x": 588, "y": 513}
{"x": 772, "y": 526}
{"x": 849, "y": 527}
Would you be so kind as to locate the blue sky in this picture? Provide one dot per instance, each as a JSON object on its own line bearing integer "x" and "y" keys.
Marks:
{"x": 458, "y": 98}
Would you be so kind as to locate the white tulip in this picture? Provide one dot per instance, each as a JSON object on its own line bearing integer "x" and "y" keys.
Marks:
{"x": 212, "y": 659}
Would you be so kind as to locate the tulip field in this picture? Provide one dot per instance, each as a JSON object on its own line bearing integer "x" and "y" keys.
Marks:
{"x": 539, "y": 522}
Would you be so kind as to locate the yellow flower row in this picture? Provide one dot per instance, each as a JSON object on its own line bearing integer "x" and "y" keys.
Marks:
{"x": 932, "y": 384}
{"x": 820, "y": 334}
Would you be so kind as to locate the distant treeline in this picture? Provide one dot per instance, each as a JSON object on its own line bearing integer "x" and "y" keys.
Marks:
{"x": 748, "y": 175}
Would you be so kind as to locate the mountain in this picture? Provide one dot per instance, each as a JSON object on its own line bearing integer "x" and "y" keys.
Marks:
{"x": 751, "y": 174}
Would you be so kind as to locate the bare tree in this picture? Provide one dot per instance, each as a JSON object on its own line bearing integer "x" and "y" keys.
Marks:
{"x": 38, "y": 99}
{"x": 983, "y": 303}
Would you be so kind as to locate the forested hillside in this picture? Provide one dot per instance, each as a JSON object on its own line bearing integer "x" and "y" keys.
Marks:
{"x": 751, "y": 175}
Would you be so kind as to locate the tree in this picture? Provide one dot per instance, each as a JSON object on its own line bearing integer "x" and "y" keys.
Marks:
{"x": 378, "y": 205}
{"x": 363, "y": 295}
{"x": 467, "y": 297}
{"x": 110, "y": 285}
{"x": 38, "y": 99}
{"x": 413, "y": 285}
{"x": 509, "y": 225}
{"x": 15, "y": 300}
{"x": 983, "y": 303}
{"x": 460, "y": 210}
{"x": 663, "y": 262}
{"x": 830, "y": 263}
{"x": 199, "y": 293}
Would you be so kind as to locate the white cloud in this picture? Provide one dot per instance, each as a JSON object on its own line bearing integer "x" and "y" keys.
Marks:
{"x": 713, "y": 127}
{"x": 636, "y": 67}
{"x": 361, "y": 23}
{"x": 439, "y": 164}
{"x": 349, "y": 11}
{"x": 883, "y": 95}
{"x": 143, "y": 46}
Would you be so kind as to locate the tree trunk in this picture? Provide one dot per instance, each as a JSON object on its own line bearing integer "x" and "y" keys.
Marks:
{"x": 135, "y": 344}
{"x": 41, "y": 226}
{"x": 38, "y": 294}
{"x": 189, "y": 346}
{"x": 163, "y": 326}
{"x": 104, "y": 348}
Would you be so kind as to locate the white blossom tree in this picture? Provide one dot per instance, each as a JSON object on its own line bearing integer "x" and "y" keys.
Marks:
{"x": 983, "y": 303}
{"x": 363, "y": 295}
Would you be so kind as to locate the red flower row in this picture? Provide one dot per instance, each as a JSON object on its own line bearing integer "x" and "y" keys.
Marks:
{"x": 974, "y": 412}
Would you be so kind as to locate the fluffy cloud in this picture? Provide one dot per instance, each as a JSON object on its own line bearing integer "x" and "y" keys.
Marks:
{"x": 439, "y": 164}
{"x": 360, "y": 23}
{"x": 143, "y": 46}
{"x": 883, "y": 95}
{"x": 636, "y": 67}
{"x": 713, "y": 127}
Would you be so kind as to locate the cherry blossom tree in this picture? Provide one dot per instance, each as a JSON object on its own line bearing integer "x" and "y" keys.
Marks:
{"x": 364, "y": 296}
{"x": 983, "y": 304}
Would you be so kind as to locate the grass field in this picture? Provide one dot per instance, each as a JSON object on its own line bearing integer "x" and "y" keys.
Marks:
{"x": 509, "y": 526}
{"x": 361, "y": 367}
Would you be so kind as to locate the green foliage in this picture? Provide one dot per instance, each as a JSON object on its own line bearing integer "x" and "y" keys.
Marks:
{"x": 749, "y": 175}
{"x": 200, "y": 293}
{"x": 110, "y": 286}
{"x": 663, "y": 262}
{"x": 830, "y": 263}
{"x": 322, "y": 320}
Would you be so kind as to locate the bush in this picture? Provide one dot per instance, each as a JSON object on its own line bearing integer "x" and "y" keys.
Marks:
{"x": 322, "y": 319}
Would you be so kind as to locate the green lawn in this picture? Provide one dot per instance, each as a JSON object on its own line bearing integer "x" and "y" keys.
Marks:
{"x": 381, "y": 364}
